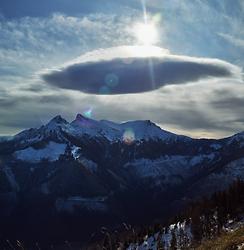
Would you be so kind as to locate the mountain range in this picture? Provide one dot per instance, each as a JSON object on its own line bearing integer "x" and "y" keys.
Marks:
{"x": 100, "y": 173}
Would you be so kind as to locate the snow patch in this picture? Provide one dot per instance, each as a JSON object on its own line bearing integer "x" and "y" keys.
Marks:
{"x": 51, "y": 152}
{"x": 166, "y": 165}
{"x": 159, "y": 240}
{"x": 88, "y": 164}
{"x": 75, "y": 152}
{"x": 71, "y": 203}
{"x": 11, "y": 178}
{"x": 5, "y": 138}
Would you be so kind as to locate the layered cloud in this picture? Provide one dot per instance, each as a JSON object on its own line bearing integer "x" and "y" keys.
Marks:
{"x": 33, "y": 39}
{"x": 134, "y": 69}
{"x": 211, "y": 108}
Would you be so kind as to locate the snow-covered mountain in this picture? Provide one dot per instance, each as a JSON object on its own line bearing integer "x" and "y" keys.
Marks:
{"x": 88, "y": 166}
{"x": 83, "y": 126}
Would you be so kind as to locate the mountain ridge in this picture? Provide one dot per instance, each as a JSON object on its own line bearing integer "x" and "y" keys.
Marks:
{"x": 100, "y": 169}
{"x": 115, "y": 125}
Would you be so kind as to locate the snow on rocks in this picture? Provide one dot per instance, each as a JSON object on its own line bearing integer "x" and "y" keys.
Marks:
{"x": 180, "y": 233}
{"x": 51, "y": 152}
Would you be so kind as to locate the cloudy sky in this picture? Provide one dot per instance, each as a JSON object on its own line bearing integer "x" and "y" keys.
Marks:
{"x": 178, "y": 63}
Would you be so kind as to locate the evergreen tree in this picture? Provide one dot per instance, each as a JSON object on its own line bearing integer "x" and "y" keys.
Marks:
{"x": 173, "y": 242}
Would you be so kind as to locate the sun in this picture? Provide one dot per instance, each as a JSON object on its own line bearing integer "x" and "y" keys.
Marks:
{"x": 146, "y": 33}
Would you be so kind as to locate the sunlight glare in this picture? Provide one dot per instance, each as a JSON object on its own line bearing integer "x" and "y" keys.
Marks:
{"x": 146, "y": 33}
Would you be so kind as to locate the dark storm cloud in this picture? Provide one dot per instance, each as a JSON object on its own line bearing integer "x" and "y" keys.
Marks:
{"x": 135, "y": 75}
{"x": 55, "y": 99}
{"x": 231, "y": 103}
{"x": 192, "y": 119}
{"x": 34, "y": 88}
{"x": 5, "y": 103}
{"x": 229, "y": 100}
{"x": 16, "y": 101}
{"x": 25, "y": 116}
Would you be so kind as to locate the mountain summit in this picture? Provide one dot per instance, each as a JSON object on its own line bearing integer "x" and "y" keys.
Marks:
{"x": 81, "y": 126}
{"x": 101, "y": 169}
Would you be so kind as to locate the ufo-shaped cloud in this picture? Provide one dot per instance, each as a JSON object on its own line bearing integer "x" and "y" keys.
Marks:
{"x": 134, "y": 73}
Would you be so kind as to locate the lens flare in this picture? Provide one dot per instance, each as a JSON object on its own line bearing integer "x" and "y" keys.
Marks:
{"x": 111, "y": 80}
{"x": 128, "y": 136}
{"x": 104, "y": 90}
{"x": 88, "y": 113}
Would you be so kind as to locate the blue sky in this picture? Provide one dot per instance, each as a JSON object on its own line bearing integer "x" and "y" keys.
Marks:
{"x": 49, "y": 35}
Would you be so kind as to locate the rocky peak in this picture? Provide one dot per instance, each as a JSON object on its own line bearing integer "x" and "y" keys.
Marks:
{"x": 58, "y": 119}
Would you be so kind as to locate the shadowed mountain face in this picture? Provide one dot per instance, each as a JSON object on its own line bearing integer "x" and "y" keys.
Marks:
{"x": 66, "y": 180}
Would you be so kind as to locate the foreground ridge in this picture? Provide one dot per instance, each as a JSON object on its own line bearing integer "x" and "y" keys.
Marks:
{"x": 101, "y": 173}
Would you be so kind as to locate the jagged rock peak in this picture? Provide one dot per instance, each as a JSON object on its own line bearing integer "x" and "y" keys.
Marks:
{"x": 58, "y": 119}
{"x": 81, "y": 117}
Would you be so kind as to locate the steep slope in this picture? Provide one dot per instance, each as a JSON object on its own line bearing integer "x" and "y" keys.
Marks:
{"x": 127, "y": 154}
{"x": 109, "y": 168}
{"x": 208, "y": 223}
{"x": 231, "y": 240}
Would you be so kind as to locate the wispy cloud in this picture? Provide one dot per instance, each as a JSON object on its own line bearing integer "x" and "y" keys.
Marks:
{"x": 192, "y": 27}
{"x": 31, "y": 44}
{"x": 234, "y": 40}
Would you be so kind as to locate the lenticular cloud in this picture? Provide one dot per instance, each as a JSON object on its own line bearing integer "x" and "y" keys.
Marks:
{"x": 134, "y": 69}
